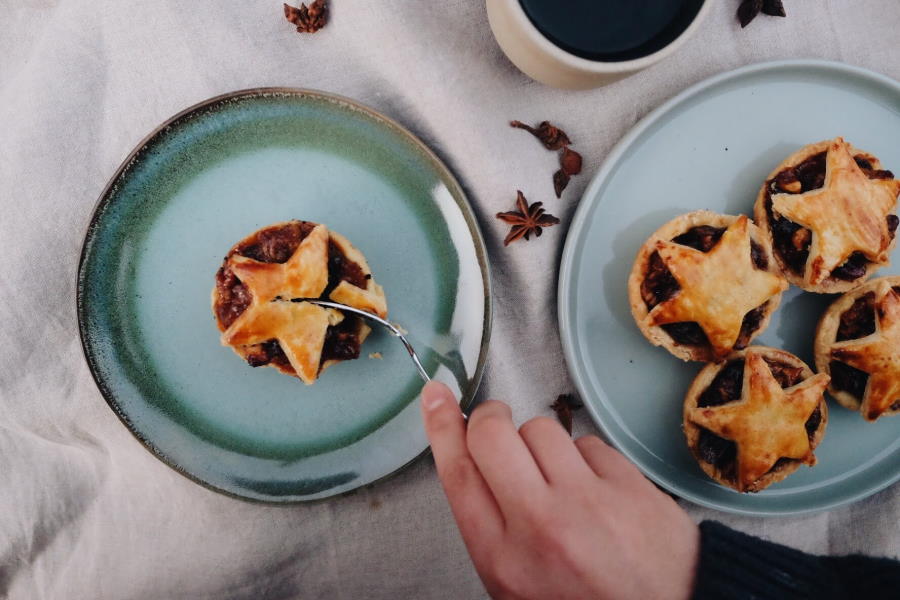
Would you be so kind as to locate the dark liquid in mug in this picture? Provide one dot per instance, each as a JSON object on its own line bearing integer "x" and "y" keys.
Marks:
{"x": 611, "y": 30}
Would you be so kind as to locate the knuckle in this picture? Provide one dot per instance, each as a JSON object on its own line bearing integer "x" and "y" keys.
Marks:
{"x": 506, "y": 578}
{"x": 550, "y": 541}
{"x": 557, "y": 543}
{"x": 493, "y": 566}
{"x": 539, "y": 511}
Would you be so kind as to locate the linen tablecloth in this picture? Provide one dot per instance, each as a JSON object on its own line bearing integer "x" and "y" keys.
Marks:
{"x": 85, "y": 510}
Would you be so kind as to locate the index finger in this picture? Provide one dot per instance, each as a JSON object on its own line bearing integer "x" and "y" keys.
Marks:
{"x": 474, "y": 507}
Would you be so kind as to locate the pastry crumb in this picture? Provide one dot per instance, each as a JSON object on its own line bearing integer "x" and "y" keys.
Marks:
{"x": 375, "y": 355}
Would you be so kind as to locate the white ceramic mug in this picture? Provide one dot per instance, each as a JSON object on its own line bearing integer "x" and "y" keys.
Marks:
{"x": 541, "y": 59}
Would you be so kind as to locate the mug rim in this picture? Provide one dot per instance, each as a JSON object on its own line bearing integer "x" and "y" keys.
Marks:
{"x": 598, "y": 66}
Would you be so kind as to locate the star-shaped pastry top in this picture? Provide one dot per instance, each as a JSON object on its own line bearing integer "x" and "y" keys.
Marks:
{"x": 878, "y": 354}
{"x": 303, "y": 275}
{"x": 846, "y": 215}
{"x": 767, "y": 423}
{"x": 299, "y": 327}
{"x": 718, "y": 287}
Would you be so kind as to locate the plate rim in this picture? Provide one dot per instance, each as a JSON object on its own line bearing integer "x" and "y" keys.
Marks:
{"x": 576, "y": 233}
{"x": 468, "y": 213}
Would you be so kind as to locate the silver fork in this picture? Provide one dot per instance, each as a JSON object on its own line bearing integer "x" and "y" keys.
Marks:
{"x": 374, "y": 319}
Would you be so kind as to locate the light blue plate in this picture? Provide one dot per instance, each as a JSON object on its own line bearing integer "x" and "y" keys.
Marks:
{"x": 204, "y": 180}
{"x": 711, "y": 147}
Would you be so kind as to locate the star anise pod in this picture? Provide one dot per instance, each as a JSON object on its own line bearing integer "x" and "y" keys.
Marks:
{"x": 526, "y": 220}
{"x": 308, "y": 19}
{"x": 749, "y": 9}
{"x": 570, "y": 164}
{"x": 570, "y": 161}
{"x": 563, "y": 406}
{"x": 551, "y": 136}
{"x": 554, "y": 138}
{"x": 560, "y": 181}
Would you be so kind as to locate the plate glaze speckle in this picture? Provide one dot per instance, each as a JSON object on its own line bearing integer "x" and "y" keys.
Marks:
{"x": 210, "y": 176}
{"x": 711, "y": 147}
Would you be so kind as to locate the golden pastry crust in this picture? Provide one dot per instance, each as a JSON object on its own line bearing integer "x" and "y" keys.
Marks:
{"x": 767, "y": 423}
{"x": 262, "y": 273}
{"x": 717, "y": 288}
{"x": 873, "y": 347}
{"x": 845, "y": 217}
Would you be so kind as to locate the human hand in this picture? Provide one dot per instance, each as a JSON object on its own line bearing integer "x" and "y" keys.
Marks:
{"x": 543, "y": 517}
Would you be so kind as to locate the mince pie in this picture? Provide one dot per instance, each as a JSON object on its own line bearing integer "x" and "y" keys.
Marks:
{"x": 751, "y": 420}
{"x": 255, "y": 298}
{"x": 704, "y": 285}
{"x": 827, "y": 212}
{"x": 858, "y": 345}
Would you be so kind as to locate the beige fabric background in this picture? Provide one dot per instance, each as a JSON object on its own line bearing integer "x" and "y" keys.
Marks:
{"x": 85, "y": 511}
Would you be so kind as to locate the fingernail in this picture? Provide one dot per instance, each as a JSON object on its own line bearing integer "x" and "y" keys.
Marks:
{"x": 431, "y": 398}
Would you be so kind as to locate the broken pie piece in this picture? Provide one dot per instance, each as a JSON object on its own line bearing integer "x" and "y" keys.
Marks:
{"x": 753, "y": 419}
{"x": 704, "y": 285}
{"x": 827, "y": 211}
{"x": 858, "y": 345}
{"x": 264, "y": 272}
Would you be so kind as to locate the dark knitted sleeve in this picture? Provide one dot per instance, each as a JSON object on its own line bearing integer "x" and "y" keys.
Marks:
{"x": 737, "y": 566}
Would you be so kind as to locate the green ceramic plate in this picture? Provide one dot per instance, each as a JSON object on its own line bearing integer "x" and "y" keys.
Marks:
{"x": 205, "y": 179}
{"x": 712, "y": 147}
